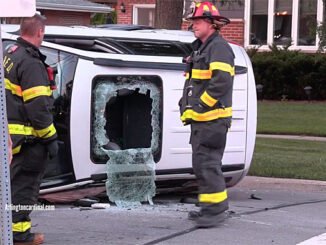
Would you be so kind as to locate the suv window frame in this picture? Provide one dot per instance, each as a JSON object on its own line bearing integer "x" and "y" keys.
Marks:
{"x": 117, "y": 45}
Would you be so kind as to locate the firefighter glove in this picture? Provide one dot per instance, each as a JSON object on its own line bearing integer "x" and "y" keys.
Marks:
{"x": 52, "y": 147}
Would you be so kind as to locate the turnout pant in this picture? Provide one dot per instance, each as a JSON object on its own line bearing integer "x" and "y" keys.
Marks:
{"x": 26, "y": 173}
{"x": 208, "y": 141}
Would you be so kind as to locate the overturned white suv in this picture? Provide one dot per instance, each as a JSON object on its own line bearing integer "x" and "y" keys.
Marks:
{"x": 119, "y": 90}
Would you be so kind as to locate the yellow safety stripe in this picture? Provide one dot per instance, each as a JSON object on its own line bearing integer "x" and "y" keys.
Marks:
{"x": 207, "y": 116}
{"x": 201, "y": 74}
{"x": 21, "y": 226}
{"x": 15, "y": 89}
{"x": 187, "y": 75}
{"x": 16, "y": 149}
{"x": 208, "y": 100}
{"x": 46, "y": 132}
{"x": 36, "y": 91}
{"x": 25, "y": 130}
{"x": 207, "y": 74}
{"x": 21, "y": 129}
{"x": 213, "y": 197}
{"x": 28, "y": 93}
{"x": 222, "y": 67}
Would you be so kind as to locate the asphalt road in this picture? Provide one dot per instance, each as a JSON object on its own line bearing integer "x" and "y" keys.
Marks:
{"x": 262, "y": 211}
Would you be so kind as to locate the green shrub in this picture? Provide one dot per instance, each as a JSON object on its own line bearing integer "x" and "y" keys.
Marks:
{"x": 98, "y": 19}
{"x": 284, "y": 73}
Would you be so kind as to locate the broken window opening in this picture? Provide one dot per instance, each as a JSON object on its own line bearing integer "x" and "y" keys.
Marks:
{"x": 127, "y": 130}
{"x": 129, "y": 120}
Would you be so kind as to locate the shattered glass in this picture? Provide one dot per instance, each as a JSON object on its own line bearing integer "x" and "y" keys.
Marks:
{"x": 131, "y": 172}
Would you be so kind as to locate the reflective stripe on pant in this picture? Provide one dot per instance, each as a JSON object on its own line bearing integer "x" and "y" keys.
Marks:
{"x": 208, "y": 141}
{"x": 25, "y": 184}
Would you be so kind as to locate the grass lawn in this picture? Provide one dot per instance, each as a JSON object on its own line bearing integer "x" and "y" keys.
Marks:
{"x": 299, "y": 118}
{"x": 285, "y": 158}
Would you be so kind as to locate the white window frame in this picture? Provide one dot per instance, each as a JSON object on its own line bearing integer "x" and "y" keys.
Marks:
{"x": 135, "y": 11}
{"x": 270, "y": 25}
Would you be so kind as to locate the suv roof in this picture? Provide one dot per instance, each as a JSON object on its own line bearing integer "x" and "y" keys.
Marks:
{"x": 124, "y": 27}
{"x": 155, "y": 34}
{"x": 138, "y": 42}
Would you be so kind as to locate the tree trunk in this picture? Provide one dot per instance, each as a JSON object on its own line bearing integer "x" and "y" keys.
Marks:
{"x": 168, "y": 14}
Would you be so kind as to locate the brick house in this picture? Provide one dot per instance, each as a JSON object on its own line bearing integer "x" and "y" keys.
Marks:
{"x": 255, "y": 22}
{"x": 66, "y": 12}
{"x": 142, "y": 12}
{"x": 282, "y": 21}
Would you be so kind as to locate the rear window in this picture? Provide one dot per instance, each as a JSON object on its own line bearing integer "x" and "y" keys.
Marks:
{"x": 157, "y": 48}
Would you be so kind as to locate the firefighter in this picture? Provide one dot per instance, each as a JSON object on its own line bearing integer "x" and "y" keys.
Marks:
{"x": 206, "y": 105}
{"x": 29, "y": 103}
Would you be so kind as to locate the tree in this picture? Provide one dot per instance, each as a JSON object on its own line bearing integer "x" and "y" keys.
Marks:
{"x": 168, "y": 14}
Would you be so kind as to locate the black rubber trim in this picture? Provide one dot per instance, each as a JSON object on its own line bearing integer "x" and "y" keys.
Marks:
{"x": 99, "y": 177}
{"x": 227, "y": 168}
{"x": 240, "y": 70}
{"x": 233, "y": 167}
{"x": 138, "y": 64}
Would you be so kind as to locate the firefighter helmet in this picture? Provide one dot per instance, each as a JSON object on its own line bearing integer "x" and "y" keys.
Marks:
{"x": 207, "y": 10}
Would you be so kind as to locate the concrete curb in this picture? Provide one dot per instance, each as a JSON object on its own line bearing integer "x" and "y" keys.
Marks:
{"x": 294, "y": 137}
{"x": 282, "y": 184}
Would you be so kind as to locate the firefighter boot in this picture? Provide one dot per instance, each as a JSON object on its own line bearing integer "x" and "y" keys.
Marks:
{"x": 194, "y": 215}
{"x": 38, "y": 238}
{"x": 208, "y": 221}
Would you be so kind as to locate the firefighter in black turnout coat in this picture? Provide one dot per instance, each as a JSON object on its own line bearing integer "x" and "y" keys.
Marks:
{"x": 29, "y": 103}
{"x": 207, "y": 106}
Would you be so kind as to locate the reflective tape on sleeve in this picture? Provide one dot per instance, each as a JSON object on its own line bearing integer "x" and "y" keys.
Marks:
{"x": 208, "y": 100}
{"x": 15, "y": 89}
{"x": 16, "y": 149}
{"x": 26, "y": 130}
{"x": 201, "y": 74}
{"x": 36, "y": 91}
{"x": 46, "y": 132}
{"x": 222, "y": 67}
{"x": 21, "y": 129}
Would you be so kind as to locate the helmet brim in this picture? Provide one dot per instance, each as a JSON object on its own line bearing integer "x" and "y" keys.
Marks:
{"x": 221, "y": 19}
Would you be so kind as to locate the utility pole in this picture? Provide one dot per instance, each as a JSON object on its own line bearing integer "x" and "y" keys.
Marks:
{"x": 5, "y": 197}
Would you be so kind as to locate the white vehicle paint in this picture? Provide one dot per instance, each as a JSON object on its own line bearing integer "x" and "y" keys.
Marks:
{"x": 175, "y": 149}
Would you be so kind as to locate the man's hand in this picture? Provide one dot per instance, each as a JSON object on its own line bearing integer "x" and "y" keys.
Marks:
{"x": 52, "y": 148}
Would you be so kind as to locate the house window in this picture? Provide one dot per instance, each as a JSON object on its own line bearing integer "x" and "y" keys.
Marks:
{"x": 283, "y": 21}
{"x": 143, "y": 14}
{"x": 259, "y": 19}
{"x": 307, "y": 20}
